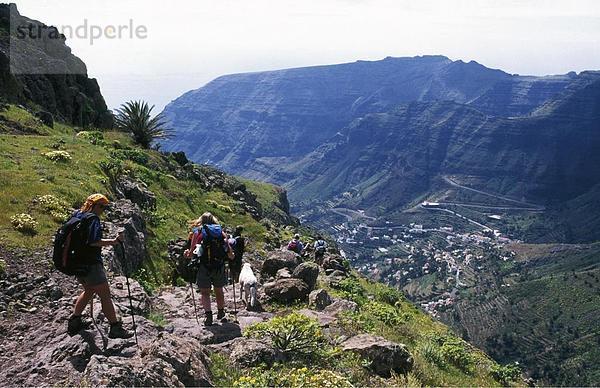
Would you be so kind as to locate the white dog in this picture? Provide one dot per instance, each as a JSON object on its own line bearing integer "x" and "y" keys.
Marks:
{"x": 248, "y": 283}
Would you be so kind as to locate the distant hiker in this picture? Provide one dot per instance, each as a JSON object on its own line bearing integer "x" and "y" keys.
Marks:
{"x": 95, "y": 281}
{"x": 239, "y": 247}
{"x": 320, "y": 249}
{"x": 296, "y": 245}
{"x": 209, "y": 247}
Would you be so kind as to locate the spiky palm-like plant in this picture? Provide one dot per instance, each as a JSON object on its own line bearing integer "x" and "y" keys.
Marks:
{"x": 136, "y": 118}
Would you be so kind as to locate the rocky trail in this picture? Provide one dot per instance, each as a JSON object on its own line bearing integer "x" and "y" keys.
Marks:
{"x": 36, "y": 302}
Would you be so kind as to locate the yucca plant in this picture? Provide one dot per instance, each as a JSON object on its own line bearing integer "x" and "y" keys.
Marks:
{"x": 136, "y": 118}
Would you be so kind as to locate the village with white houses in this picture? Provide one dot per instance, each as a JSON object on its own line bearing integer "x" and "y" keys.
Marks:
{"x": 430, "y": 264}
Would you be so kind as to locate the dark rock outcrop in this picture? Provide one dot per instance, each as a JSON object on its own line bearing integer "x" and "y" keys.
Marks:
{"x": 319, "y": 299}
{"x": 125, "y": 215}
{"x": 278, "y": 260}
{"x": 287, "y": 290}
{"x": 308, "y": 272}
{"x": 136, "y": 191}
{"x": 251, "y": 353}
{"x": 385, "y": 356}
{"x": 46, "y": 74}
{"x": 170, "y": 361}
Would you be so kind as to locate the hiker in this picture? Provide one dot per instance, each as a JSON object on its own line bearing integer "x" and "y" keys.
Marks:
{"x": 296, "y": 245}
{"x": 209, "y": 247}
{"x": 320, "y": 249}
{"x": 239, "y": 247}
{"x": 95, "y": 281}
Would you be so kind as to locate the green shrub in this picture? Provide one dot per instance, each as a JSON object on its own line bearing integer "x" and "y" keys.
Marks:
{"x": 24, "y": 223}
{"x": 58, "y": 156}
{"x": 216, "y": 205}
{"x": 293, "y": 377}
{"x": 505, "y": 374}
{"x": 455, "y": 352}
{"x": 223, "y": 373}
{"x": 135, "y": 155}
{"x": 385, "y": 313}
{"x": 57, "y": 208}
{"x": 351, "y": 289}
{"x": 295, "y": 335}
{"x": 94, "y": 137}
{"x": 111, "y": 167}
{"x": 431, "y": 352}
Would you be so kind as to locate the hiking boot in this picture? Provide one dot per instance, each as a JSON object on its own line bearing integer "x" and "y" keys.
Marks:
{"x": 208, "y": 321}
{"x": 221, "y": 314}
{"x": 75, "y": 325}
{"x": 117, "y": 331}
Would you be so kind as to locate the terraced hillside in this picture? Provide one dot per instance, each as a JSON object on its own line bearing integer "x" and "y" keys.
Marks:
{"x": 541, "y": 311}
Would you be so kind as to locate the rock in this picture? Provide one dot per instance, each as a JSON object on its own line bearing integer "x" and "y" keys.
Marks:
{"x": 287, "y": 290}
{"x": 339, "y": 306}
{"x": 278, "y": 260}
{"x": 309, "y": 272}
{"x": 175, "y": 251}
{"x": 140, "y": 300}
{"x": 46, "y": 118}
{"x": 283, "y": 273}
{"x": 338, "y": 275}
{"x": 187, "y": 358}
{"x": 124, "y": 214}
{"x": 384, "y": 355}
{"x": 333, "y": 263}
{"x": 325, "y": 320}
{"x": 319, "y": 299}
{"x": 136, "y": 191}
{"x": 251, "y": 352}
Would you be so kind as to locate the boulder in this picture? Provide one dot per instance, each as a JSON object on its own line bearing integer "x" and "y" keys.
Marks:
{"x": 308, "y": 272}
{"x": 124, "y": 214}
{"x": 169, "y": 361}
{"x": 384, "y": 355}
{"x": 175, "y": 251}
{"x": 319, "y": 299}
{"x": 46, "y": 118}
{"x": 333, "y": 263}
{"x": 140, "y": 300}
{"x": 340, "y": 305}
{"x": 283, "y": 273}
{"x": 135, "y": 191}
{"x": 278, "y": 260}
{"x": 248, "y": 353}
{"x": 287, "y": 290}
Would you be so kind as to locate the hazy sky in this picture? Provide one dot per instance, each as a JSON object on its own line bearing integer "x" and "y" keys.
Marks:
{"x": 190, "y": 42}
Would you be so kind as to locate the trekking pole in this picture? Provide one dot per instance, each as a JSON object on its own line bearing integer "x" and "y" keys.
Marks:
{"x": 234, "y": 302}
{"x": 129, "y": 294}
{"x": 194, "y": 302}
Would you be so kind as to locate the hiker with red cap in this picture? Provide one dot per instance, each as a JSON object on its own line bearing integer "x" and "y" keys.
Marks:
{"x": 93, "y": 278}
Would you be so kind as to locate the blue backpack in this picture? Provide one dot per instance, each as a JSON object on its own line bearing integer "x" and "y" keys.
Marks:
{"x": 214, "y": 248}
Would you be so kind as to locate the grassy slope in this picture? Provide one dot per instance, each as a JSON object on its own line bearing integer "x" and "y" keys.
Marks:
{"x": 26, "y": 174}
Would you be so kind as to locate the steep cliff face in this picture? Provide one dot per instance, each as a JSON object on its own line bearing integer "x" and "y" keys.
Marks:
{"x": 249, "y": 123}
{"x": 68, "y": 94}
{"x": 391, "y": 158}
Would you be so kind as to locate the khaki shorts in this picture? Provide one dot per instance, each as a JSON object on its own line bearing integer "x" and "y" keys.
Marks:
{"x": 94, "y": 277}
{"x": 210, "y": 277}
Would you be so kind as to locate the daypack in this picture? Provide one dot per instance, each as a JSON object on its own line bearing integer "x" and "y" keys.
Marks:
{"x": 71, "y": 253}
{"x": 214, "y": 249}
{"x": 320, "y": 248}
{"x": 293, "y": 246}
